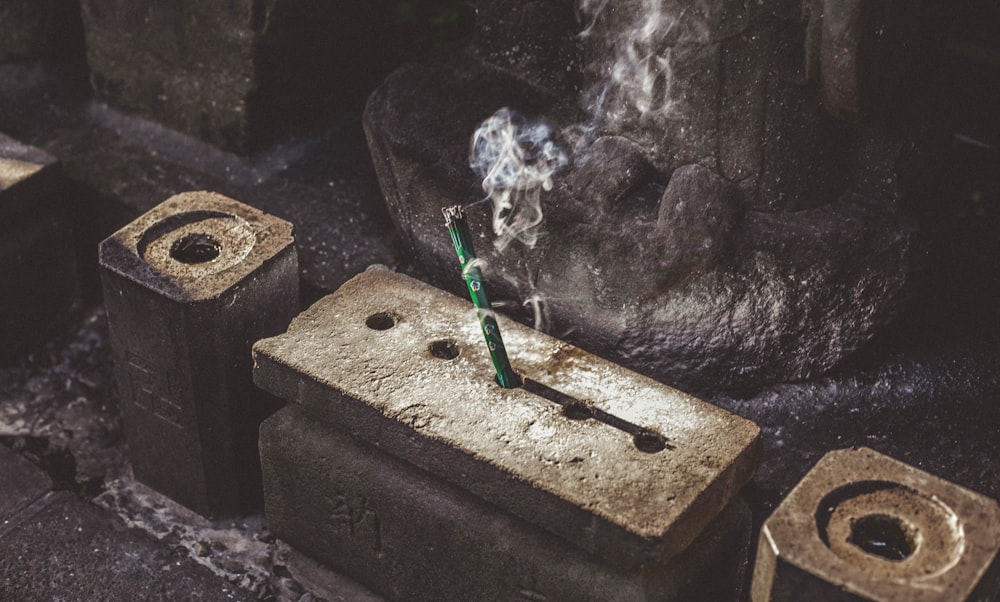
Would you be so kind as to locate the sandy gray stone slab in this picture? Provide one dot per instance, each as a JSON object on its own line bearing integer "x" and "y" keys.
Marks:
{"x": 863, "y": 526}
{"x": 404, "y": 366}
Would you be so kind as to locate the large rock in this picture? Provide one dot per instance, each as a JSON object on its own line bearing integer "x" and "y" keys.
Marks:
{"x": 716, "y": 224}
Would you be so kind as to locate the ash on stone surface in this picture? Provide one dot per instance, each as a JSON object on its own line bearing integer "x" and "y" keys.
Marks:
{"x": 57, "y": 408}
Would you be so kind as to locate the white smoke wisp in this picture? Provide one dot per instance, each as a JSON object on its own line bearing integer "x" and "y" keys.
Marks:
{"x": 476, "y": 264}
{"x": 539, "y": 311}
{"x": 639, "y": 80}
{"x": 591, "y": 9}
{"x": 517, "y": 160}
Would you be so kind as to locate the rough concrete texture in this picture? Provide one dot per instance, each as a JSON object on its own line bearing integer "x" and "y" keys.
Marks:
{"x": 240, "y": 75}
{"x": 373, "y": 357}
{"x": 35, "y": 238}
{"x": 188, "y": 287}
{"x": 35, "y": 28}
{"x": 68, "y": 547}
{"x": 412, "y": 536}
{"x": 245, "y": 240}
{"x": 55, "y": 546}
{"x": 863, "y": 526}
{"x": 31, "y": 483}
{"x": 319, "y": 580}
{"x": 720, "y": 90}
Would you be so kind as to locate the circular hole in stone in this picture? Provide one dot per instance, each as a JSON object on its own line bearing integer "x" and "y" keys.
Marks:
{"x": 445, "y": 349}
{"x": 381, "y": 321}
{"x": 883, "y": 536}
{"x": 649, "y": 441}
{"x": 196, "y": 247}
{"x": 517, "y": 381}
{"x": 578, "y": 410}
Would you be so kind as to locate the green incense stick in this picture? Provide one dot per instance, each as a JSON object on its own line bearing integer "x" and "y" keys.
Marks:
{"x": 459, "y": 230}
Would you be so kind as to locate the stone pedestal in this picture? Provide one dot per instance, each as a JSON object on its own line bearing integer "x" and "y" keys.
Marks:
{"x": 39, "y": 294}
{"x": 188, "y": 287}
{"x": 588, "y": 481}
{"x": 238, "y": 74}
{"x": 412, "y": 536}
{"x": 862, "y": 526}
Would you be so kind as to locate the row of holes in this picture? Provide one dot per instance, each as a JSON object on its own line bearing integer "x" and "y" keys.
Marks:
{"x": 644, "y": 439}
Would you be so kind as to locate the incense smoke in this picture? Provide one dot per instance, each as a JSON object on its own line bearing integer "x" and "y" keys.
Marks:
{"x": 516, "y": 159}
{"x": 640, "y": 78}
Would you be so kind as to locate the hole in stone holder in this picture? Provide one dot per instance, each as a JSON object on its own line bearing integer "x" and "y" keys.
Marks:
{"x": 649, "y": 441}
{"x": 445, "y": 349}
{"x": 577, "y": 410}
{"x": 195, "y": 248}
{"x": 381, "y": 321}
{"x": 645, "y": 439}
{"x": 883, "y": 536}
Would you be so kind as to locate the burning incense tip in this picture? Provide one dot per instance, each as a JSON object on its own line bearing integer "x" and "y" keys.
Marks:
{"x": 454, "y": 218}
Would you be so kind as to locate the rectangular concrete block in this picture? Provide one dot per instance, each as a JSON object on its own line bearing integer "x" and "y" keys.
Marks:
{"x": 39, "y": 294}
{"x": 617, "y": 464}
{"x": 188, "y": 287}
{"x": 413, "y": 536}
{"x": 861, "y": 526}
{"x": 238, "y": 74}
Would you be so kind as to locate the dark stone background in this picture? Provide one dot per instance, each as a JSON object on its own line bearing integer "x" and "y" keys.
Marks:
{"x": 925, "y": 391}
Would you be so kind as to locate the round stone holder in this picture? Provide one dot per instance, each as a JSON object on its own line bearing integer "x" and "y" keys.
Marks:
{"x": 189, "y": 286}
{"x": 863, "y": 526}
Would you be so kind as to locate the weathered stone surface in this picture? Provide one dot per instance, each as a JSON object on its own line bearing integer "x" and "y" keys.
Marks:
{"x": 188, "y": 287}
{"x": 697, "y": 213}
{"x": 413, "y": 536}
{"x": 794, "y": 272}
{"x": 843, "y": 28}
{"x": 862, "y": 526}
{"x": 32, "y": 29}
{"x": 21, "y": 29}
{"x": 365, "y": 358}
{"x": 238, "y": 74}
{"x": 23, "y": 484}
{"x": 549, "y": 47}
{"x": 609, "y": 170}
{"x": 724, "y": 85}
{"x": 68, "y": 549}
{"x": 40, "y": 291}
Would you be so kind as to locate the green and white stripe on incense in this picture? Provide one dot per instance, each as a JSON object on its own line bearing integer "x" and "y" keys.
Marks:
{"x": 460, "y": 237}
